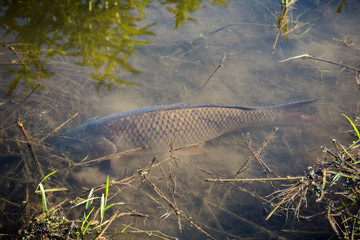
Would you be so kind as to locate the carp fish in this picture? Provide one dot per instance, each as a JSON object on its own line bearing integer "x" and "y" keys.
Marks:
{"x": 178, "y": 125}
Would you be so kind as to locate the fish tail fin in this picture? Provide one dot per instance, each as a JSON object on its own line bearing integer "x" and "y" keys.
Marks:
{"x": 294, "y": 113}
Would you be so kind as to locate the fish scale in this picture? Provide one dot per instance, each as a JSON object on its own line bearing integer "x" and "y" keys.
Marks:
{"x": 188, "y": 126}
{"x": 179, "y": 125}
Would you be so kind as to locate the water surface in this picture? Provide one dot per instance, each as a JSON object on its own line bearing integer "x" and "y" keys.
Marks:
{"x": 160, "y": 57}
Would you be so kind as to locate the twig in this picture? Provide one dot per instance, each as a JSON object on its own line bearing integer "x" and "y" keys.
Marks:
{"x": 124, "y": 181}
{"x": 217, "y": 68}
{"x": 254, "y": 179}
{"x": 7, "y": 201}
{"x": 357, "y": 70}
{"x": 107, "y": 225}
{"x": 242, "y": 168}
{"x": 256, "y": 155}
{"x": 172, "y": 205}
{"x": 32, "y": 91}
{"x": 97, "y": 160}
{"x": 148, "y": 232}
{"x": 259, "y": 150}
{"x": 307, "y": 56}
{"x": 37, "y": 163}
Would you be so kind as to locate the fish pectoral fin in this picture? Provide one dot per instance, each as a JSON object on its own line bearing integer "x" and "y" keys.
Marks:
{"x": 192, "y": 150}
{"x": 104, "y": 146}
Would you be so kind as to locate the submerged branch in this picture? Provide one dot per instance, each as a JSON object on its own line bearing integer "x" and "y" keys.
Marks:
{"x": 255, "y": 179}
{"x": 37, "y": 163}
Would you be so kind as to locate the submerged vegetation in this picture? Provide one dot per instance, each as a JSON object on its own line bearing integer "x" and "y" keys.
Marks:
{"x": 333, "y": 184}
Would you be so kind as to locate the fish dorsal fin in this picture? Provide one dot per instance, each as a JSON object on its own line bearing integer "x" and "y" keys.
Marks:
{"x": 175, "y": 106}
{"x": 92, "y": 119}
{"x": 185, "y": 105}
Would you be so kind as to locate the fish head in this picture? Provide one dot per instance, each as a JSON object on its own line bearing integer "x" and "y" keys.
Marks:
{"x": 85, "y": 142}
{"x": 75, "y": 144}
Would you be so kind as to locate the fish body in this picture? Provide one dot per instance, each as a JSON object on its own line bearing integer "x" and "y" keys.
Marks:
{"x": 172, "y": 126}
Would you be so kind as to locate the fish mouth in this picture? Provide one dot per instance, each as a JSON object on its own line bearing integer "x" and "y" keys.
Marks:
{"x": 72, "y": 148}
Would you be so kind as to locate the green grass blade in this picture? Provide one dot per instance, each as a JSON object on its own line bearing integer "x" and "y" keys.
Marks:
{"x": 335, "y": 179}
{"x": 43, "y": 197}
{"x": 106, "y": 189}
{"x": 85, "y": 201}
{"x": 353, "y": 125}
{"x": 83, "y": 230}
{"x": 113, "y": 204}
{"x": 46, "y": 177}
{"x": 88, "y": 203}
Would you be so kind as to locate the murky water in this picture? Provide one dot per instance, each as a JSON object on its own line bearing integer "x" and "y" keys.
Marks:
{"x": 176, "y": 67}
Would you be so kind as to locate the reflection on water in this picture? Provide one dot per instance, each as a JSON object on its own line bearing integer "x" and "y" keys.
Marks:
{"x": 169, "y": 50}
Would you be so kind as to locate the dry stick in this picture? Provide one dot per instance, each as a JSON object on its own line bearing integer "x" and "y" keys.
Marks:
{"x": 210, "y": 188}
{"x": 254, "y": 179}
{"x": 240, "y": 188}
{"x": 263, "y": 145}
{"x": 284, "y": 21}
{"x": 177, "y": 211}
{"x": 97, "y": 160}
{"x": 289, "y": 195}
{"x": 259, "y": 150}
{"x": 265, "y": 168}
{"x": 172, "y": 193}
{"x": 351, "y": 157}
{"x": 124, "y": 181}
{"x": 211, "y": 174}
{"x": 280, "y": 27}
{"x": 198, "y": 40}
{"x": 230, "y": 182}
{"x": 296, "y": 27}
{"x": 334, "y": 225}
{"x": 256, "y": 155}
{"x": 331, "y": 62}
{"x": 276, "y": 207}
{"x": 276, "y": 40}
{"x": 148, "y": 232}
{"x": 9, "y": 202}
{"x": 32, "y": 91}
{"x": 195, "y": 166}
{"x": 217, "y": 68}
{"x": 57, "y": 129}
{"x": 356, "y": 70}
{"x": 110, "y": 221}
{"x": 37, "y": 163}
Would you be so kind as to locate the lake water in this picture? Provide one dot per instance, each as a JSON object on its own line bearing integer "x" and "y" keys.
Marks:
{"x": 168, "y": 51}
